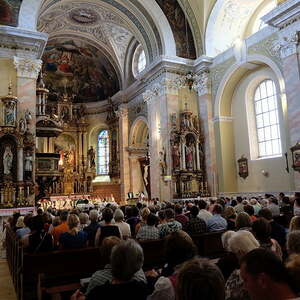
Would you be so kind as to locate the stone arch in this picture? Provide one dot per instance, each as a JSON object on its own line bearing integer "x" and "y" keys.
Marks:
{"x": 139, "y": 132}
{"x": 223, "y": 121}
{"x": 228, "y": 23}
{"x": 222, "y": 102}
{"x": 162, "y": 38}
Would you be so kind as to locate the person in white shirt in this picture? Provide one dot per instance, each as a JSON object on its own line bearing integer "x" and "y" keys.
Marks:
{"x": 204, "y": 214}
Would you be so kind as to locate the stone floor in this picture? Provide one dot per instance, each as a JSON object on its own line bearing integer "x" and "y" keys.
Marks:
{"x": 7, "y": 291}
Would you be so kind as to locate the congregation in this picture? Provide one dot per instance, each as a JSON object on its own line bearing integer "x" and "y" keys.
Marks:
{"x": 261, "y": 238}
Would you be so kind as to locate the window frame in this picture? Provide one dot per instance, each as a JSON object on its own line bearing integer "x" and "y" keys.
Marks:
{"x": 135, "y": 61}
{"x": 252, "y": 120}
{"x": 106, "y": 154}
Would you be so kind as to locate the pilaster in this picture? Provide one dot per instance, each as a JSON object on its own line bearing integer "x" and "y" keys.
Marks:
{"x": 124, "y": 155}
{"x": 286, "y": 17}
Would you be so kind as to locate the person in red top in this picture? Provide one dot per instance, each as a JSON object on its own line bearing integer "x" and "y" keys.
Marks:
{"x": 180, "y": 217}
{"x": 63, "y": 227}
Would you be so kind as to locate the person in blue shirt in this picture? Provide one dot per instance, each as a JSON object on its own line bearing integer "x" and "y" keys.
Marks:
{"x": 217, "y": 222}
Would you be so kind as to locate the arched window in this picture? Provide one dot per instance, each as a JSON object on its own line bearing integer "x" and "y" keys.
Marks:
{"x": 267, "y": 119}
{"x": 141, "y": 61}
{"x": 103, "y": 153}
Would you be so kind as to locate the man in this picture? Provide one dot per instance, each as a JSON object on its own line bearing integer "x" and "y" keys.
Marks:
{"x": 274, "y": 207}
{"x": 240, "y": 206}
{"x": 63, "y": 227}
{"x": 217, "y": 222}
{"x": 265, "y": 276}
{"x": 204, "y": 214}
{"x": 195, "y": 225}
{"x": 171, "y": 225}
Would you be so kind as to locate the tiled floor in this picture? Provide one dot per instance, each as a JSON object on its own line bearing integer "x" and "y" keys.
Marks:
{"x": 7, "y": 291}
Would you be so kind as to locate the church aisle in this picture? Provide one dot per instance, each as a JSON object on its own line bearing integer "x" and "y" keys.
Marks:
{"x": 7, "y": 291}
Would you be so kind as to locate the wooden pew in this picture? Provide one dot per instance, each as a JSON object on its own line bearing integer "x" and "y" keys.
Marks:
{"x": 34, "y": 274}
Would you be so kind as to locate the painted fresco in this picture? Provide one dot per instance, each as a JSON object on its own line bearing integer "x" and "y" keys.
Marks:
{"x": 78, "y": 69}
{"x": 9, "y": 12}
{"x": 180, "y": 27}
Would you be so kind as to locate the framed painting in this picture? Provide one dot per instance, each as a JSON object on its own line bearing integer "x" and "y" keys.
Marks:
{"x": 243, "y": 167}
{"x": 296, "y": 157}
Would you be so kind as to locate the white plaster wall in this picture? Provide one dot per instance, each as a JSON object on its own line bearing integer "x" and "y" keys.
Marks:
{"x": 244, "y": 138}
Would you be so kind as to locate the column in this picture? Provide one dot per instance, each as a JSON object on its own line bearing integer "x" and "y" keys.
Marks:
{"x": 202, "y": 86}
{"x": 198, "y": 156}
{"x": 183, "y": 155}
{"x": 20, "y": 164}
{"x": 27, "y": 73}
{"x": 124, "y": 155}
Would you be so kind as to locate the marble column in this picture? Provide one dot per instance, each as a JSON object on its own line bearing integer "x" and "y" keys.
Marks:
{"x": 202, "y": 87}
{"x": 20, "y": 164}
{"x": 124, "y": 155}
{"x": 27, "y": 73}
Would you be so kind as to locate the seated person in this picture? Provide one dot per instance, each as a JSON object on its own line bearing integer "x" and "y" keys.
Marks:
{"x": 178, "y": 248}
{"x": 92, "y": 228}
{"x": 126, "y": 259}
{"x": 74, "y": 238}
{"x": 195, "y": 224}
{"x": 102, "y": 276}
{"x": 217, "y": 222}
{"x": 38, "y": 240}
{"x": 265, "y": 276}
{"x": 262, "y": 231}
{"x": 171, "y": 225}
{"x": 108, "y": 229}
{"x": 198, "y": 279}
{"x": 149, "y": 231}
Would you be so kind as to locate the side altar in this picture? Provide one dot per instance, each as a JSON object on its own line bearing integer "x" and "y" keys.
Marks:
{"x": 17, "y": 151}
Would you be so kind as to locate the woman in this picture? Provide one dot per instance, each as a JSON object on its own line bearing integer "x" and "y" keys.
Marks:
{"x": 108, "y": 229}
{"x": 243, "y": 222}
{"x": 38, "y": 240}
{"x": 230, "y": 216}
{"x": 240, "y": 244}
{"x": 198, "y": 279}
{"x": 145, "y": 212}
{"x": 73, "y": 238}
{"x": 84, "y": 219}
{"x": 123, "y": 226}
{"x": 262, "y": 231}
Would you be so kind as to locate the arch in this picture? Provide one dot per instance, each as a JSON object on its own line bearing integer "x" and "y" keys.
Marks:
{"x": 139, "y": 132}
{"x": 224, "y": 125}
{"x": 156, "y": 22}
{"x": 227, "y": 23}
{"x": 28, "y": 14}
{"x": 222, "y": 103}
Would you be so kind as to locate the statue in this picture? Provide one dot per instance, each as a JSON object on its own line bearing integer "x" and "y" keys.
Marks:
{"x": 7, "y": 160}
{"x": 10, "y": 115}
{"x": 28, "y": 165}
{"x": 91, "y": 157}
{"x": 176, "y": 156}
{"x": 162, "y": 162}
{"x": 189, "y": 153}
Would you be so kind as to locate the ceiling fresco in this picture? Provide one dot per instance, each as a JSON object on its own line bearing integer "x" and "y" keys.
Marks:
{"x": 9, "y": 11}
{"x": 78, "y": 69}
{"x": 182, "y": 32}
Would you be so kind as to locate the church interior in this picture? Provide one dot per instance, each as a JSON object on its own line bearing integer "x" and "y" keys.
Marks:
{"x": 126, "y": 102}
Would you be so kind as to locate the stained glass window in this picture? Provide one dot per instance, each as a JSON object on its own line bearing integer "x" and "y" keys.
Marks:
{"x": 267, "y": 120}
{"x": 103, "y": 153}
